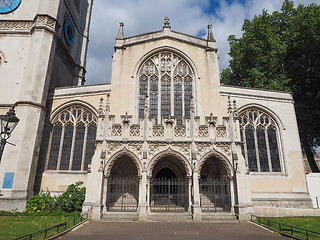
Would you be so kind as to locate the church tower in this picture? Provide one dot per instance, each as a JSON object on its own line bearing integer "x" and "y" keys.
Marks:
{"x": 43, "y": 45}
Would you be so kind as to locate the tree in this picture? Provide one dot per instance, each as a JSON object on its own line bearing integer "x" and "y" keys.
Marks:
{"x": 281, "y": 51}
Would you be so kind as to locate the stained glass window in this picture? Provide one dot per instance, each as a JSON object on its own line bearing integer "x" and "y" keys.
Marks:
{"x": 165, "y": 96}
{"x": 176, "y": 86}
{"x": 261, "y": 147}
{"x": 178, "y": 99}
{"x": 78, "y": 147}
{"x": 74, "y": 127}
{"x": 143, "y": 94}
{"x": 154, "y": 97}
{"x": 274, "y": 152}
{"x": 55, "y": 145}
{"x": 251, "y": 150}
{"x": 90, "y": 145}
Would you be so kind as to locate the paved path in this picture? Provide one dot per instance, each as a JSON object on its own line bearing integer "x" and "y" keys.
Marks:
{"x": 169, "y": 231}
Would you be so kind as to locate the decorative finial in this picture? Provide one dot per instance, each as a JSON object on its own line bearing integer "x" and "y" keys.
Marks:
{"x": 192, "y": 105}
{"x": 120, "y": 33}
{"x": 100, "y": 110}
{"x": 235, "y": 111}
{"x": 108, "y": 103}
{"x": 166, "y": 23}
{"x": 210, "y": 34}
{"x": 229, "y": 105}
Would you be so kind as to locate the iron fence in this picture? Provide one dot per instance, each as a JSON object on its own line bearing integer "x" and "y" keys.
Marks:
{"x": 51, "y": 231}
{"x": 215, "y": 195}
{"x": 122, "y": 195}
{"x": 284, "y": 229}
{"x": 169, "y": 195}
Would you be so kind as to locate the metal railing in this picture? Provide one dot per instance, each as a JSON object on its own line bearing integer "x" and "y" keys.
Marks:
{"x": 284, "y": 229}
{"x": 51, "y": 231}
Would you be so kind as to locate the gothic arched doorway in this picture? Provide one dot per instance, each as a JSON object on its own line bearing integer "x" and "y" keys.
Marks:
{"x": 123, "y": 186}
{"x": 214, "y": 186}
{"x": 169, "y": 190}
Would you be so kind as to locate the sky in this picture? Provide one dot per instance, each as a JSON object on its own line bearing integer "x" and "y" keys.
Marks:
{"x": 186, "y": 16}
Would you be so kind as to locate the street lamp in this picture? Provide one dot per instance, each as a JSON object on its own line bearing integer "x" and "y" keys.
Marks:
{"x": 7, "y": 123}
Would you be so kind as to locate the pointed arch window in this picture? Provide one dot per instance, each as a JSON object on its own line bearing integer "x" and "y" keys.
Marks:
{"x": 261, "y": 139}
{"x": 169, "y": 81}
{"x": 71, "y": 145}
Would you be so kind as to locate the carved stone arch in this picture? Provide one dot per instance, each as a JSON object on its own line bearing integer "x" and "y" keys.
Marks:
{"x": 265, "y": 109}
{"x": 221, "y": 157}
{"x": 173, "y": 153}
{"x": 122, "y": 152}
{"x": 64, "y": 106}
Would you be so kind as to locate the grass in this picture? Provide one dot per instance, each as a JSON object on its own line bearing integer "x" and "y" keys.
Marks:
{"x": 14, "y": 227}
{"x": 309, "y": 223}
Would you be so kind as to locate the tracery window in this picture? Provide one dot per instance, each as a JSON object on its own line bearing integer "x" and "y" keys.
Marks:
{"x": 260, "y": 135}
{"x": 72, "y": 139}
{"x": 168, "y": 80}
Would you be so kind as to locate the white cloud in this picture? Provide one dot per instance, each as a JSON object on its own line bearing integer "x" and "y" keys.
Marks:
{"x": 186, "y": 16}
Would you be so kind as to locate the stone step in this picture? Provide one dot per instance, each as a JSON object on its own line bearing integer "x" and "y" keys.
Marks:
{"x": 120, "y": 217}
{"x": 169, "y": 217}
{"x": 219, "y": 217}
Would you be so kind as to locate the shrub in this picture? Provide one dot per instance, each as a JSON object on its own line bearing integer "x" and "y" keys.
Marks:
{"x": 72, "y": 199}
{"x": 42, "y": 202}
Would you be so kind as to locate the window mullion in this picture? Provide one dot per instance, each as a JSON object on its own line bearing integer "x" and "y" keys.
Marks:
{"x": 49, "y": 148}
{"x": 84, "y": 147}
{"x": 268, "y": 149}
{"x": 61, "y": 146}
{"x": 256, "y": 147}
{"x": 72, "y": 146}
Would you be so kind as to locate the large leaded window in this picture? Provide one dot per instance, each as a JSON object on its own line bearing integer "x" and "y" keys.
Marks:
{"x": 260, "y": 135}
{"x": 168, "y": 81}
{"x": 72, "y": 139}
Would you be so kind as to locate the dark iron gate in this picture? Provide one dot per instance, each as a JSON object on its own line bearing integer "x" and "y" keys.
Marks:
{"x": 215, "y": 195}
{"x": 122, "y": 194}
{"x": 169, "y": 195}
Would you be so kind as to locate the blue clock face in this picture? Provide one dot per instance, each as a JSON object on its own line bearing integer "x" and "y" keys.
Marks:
{"x": 7, "y": 6}
{"x": 69, "y": 32}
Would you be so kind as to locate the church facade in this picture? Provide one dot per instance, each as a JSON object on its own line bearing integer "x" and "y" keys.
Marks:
{"x": 163, "y": 137}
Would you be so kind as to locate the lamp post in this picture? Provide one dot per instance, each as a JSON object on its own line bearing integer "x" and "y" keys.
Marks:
{"x": 7, "y": 123}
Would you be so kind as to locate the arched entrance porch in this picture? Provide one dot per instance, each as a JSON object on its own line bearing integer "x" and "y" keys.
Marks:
{"x": 123, "y": 186}
{"x": 214, "y": 186}
{"x": 169, "y": 186}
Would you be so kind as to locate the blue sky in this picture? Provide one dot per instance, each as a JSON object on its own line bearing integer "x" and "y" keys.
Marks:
{"x": 186, "y": 16}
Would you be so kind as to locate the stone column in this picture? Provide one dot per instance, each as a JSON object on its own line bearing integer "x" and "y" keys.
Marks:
{"x": 196, "y": 209}
{"x": 143, "y": 197}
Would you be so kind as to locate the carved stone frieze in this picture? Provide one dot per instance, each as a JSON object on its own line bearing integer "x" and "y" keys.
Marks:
{"x": 203, "y": 131}
{"x": 158, "y": 131}
{"x": 113, "y": 147}
{"x": 154, "y": 148}
{"x": 203, "y": 148}
{"x": 223, "y": 147}
{"x": 135, "y": 147}
{"x": 116, "y": 130}
{"x": 134, "y": 131}
{"x": 179, "y": 131}
{"x": 221, "y": 132}
{"x": 39, "y": 21}
{"x": 184, "y": 148}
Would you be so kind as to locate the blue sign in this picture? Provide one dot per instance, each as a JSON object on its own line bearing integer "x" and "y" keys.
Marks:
{"x": 8, "y": 180}
{"x": 7, "y": 6}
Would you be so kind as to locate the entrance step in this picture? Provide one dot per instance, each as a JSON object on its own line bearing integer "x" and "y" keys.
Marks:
{"x": 169, "y": 217}
{"x": 120, "y": 217}
{"x": 219, "y": 217}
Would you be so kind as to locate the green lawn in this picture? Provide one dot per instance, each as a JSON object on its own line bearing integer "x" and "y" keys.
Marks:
{"x": 13, "y": 227}
{"x": 309, "y": 223}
